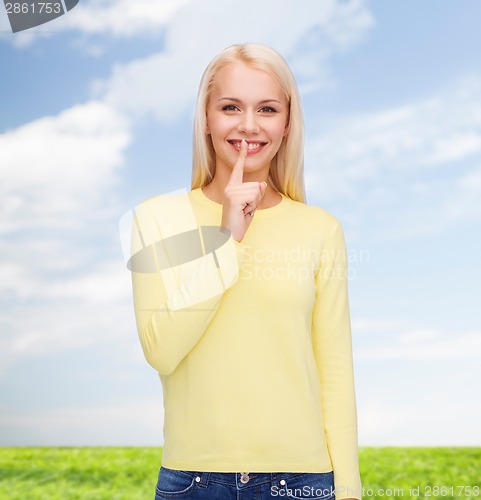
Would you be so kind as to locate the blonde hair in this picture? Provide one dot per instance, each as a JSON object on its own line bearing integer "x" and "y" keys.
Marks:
{"x": 287, "y": 167}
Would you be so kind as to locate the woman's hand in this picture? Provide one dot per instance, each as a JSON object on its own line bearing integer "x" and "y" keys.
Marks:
{"x": 240, "y": 198}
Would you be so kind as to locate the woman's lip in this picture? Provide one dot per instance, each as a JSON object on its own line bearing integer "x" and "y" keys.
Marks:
{"x": 249, "y": 151}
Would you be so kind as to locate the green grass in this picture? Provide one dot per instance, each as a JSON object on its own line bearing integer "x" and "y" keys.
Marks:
{"x": 78, "y": 473}
{"x": 412, "y": 469}
{"x": 131, "y": 473}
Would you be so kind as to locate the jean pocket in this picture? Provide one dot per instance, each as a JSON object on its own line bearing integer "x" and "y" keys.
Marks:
{"x": 173, "y": 483}
{"x": 310, "y": 486}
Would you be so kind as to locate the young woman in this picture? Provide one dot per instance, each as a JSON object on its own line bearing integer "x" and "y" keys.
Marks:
{"x": 244, "y": 311}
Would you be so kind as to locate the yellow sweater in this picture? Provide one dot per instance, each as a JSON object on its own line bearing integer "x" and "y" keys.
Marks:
{"x": 251, "y": 340}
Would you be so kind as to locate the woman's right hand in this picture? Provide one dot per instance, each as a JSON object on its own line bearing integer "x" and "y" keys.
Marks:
{"x": 241, "y": 199}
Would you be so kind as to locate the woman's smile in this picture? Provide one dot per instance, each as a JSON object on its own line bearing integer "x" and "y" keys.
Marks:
{"x": 253, "y": 147}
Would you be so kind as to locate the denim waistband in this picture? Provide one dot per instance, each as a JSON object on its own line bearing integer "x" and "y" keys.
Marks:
{"x": 234, "y": 478}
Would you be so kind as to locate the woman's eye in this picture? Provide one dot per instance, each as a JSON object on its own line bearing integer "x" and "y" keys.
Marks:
{"x": 268, "y": 109}
{"x": 229, "y": 107}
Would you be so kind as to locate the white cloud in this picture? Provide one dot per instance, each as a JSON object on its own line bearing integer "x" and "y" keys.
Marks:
{"x": 56, "y": 169}
{"x": 453, "y": 146}
{"x": 428, "y": 152}
{"x": 60, "y": 292}
{"x": 463, "y": 200}
{"x": 407, "y": 376}
{"x": 121, "y": 18}
{"x": 379, "y": 422}
{"x": 102, "y": 283}
{"x": 425, "y": 345}
{"x": 135, "y": 423}
{"x": 45, "y": 326}
{"x": 408, "y": 422}
{"x": 375, "y": 325}
{"x": 420, "y": 335}
{"x": 390, "y": 339}
{"x": 191, "y": 23}
{"x": 348, "y": 22}
{"x": 105, "y": 18}
{"x": 425, "y": 134}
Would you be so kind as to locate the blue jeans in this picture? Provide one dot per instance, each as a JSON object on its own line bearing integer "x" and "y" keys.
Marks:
{"x": 193, "y": 485}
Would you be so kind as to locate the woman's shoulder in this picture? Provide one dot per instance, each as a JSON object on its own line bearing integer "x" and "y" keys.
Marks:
{"x": 169, "y": 209}
{"x": 313, "y": 214}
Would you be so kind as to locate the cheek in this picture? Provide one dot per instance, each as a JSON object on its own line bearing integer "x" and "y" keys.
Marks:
{"x": 217, "y": 128}
{"x": 279, "y": 131}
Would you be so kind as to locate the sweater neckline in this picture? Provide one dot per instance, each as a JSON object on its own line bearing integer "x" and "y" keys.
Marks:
{"x": 200, "y": 196}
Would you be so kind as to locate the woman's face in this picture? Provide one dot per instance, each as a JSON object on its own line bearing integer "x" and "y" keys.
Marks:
{"x": 246, "y": 103}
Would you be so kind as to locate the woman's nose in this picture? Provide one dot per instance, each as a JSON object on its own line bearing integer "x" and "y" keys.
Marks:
{"x": 248, "y": 123}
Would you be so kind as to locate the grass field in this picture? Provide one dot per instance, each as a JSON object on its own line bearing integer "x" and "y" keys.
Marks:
{"x": 131, "y": 473}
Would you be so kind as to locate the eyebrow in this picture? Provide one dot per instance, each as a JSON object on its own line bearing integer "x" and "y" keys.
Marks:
{"x": 234, "y": 99}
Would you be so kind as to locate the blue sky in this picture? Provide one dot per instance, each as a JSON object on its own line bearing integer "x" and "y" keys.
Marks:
{"x": 96, "y": 114}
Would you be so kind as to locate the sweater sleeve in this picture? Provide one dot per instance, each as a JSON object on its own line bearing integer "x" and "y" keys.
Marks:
{"x": 180, "y": 272}
{"x": 331, "y": 331}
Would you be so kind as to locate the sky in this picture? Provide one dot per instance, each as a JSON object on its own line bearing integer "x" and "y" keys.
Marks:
{"x": 96, "y": 113}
